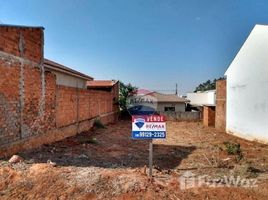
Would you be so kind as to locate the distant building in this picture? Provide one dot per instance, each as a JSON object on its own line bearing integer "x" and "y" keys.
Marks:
{"x": 202, "y": 98}
{"x": 106, "y": 85}
{"x": 170, "y": 103}
{"x": 247, "y": 88}
{"x": 66, "y": 76}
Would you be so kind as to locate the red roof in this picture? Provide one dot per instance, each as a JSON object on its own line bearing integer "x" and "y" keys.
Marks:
{"x": 101, "y": 83}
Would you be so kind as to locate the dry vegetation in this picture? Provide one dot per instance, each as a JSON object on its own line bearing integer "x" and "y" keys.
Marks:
{"x": 108, "y": 164}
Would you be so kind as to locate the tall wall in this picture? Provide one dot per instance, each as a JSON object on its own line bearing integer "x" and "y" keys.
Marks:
{"x": 35, "y": 110}
{"x": 220, "y": 118}
{"x": 25, "y": 108}
{"x": 247, "y": 88}
{"x": 23, "y": 42}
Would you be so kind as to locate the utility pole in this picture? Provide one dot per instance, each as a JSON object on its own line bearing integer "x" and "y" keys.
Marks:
{"x": 176, "y": 91}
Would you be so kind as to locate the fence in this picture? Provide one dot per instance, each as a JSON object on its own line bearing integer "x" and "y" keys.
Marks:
{"x": 182, "y": 116}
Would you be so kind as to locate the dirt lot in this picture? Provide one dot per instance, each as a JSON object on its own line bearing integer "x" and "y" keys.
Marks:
{"x": 108, "y": 164}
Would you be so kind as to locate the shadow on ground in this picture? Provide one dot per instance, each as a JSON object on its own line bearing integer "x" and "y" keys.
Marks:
{"x": 109, "y": 148}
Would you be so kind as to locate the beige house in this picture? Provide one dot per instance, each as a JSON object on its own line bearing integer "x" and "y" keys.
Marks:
{"x": 170, "y": 103}
{"x": 66, "y": 76}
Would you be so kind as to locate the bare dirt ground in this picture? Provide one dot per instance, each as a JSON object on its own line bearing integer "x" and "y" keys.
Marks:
{"x": 108, "y": 164}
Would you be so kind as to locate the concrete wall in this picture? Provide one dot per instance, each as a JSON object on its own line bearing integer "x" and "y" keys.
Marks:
{"x": 247, "y": 88}
{"x": 182, "y": 116}
{"x": 179, "y": 107}
{"x": 220, "y": 118}
{"x": 70, "y": 81}
{"x": 201, "y": 98}
{"x": 34, "y": 110}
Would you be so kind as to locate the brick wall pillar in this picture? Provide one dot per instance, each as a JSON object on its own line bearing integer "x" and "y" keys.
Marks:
{"x": 209, "y": 116}
{"x": 220, "y": 118}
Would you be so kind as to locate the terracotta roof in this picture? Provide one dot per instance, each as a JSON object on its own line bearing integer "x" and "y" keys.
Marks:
{"x": 49, "y": 64}
{"x": 101, "y": 83}
{"x": 169, "y": 98}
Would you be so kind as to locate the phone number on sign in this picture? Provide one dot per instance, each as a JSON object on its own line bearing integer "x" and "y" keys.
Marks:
{"x": 149, "y": 134}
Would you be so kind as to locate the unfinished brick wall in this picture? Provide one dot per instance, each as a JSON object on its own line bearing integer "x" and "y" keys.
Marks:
{"x": 220, "y": 118}
{"x": 33, "y": 109}
{"x": 75, "y": 105}
{"x": 22, "y": 42}
{"x": 209, "y": 116}
{"x": 25, "y": 108}
{"x": 9, "y": 102}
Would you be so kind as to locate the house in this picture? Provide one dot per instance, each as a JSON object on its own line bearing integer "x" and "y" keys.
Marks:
{"x": 247, "y": 88}
{"x": 170, "y": 102}
{"x": 66, "y": 76}
{"x": 202, "y": 98}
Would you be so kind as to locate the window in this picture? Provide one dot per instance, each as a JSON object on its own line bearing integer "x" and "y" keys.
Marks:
{"x": 170, "y": 108}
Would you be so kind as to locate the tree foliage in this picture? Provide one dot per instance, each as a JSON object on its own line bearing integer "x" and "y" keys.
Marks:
{"x": 208, "y": 85}
{"x": 124, "y": 90}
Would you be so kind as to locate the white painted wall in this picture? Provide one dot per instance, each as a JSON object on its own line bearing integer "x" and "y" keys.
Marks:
{"x": 179, "y": 107}
{"x": 201, "y": 98}
{"x": 247, "y": 88}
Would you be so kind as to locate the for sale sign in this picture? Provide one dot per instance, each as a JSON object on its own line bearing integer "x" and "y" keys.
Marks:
{"x": 148, "y": 127}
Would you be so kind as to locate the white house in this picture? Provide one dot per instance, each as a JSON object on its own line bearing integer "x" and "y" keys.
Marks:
{"x": 170, "y": 103}
{"x": 247, "y": 88}
{"x": 202, "y": 98}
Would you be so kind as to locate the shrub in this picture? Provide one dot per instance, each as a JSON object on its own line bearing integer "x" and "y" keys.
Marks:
{"x": 93, "y": 141}
{"x": 98, "y": 124}
{"x": 234, "y": 149}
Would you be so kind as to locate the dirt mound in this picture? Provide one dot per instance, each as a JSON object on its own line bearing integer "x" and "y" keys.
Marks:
{"x": 8, "y": 176}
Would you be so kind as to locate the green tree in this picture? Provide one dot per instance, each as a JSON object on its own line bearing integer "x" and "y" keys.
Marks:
{"x": 124, "y": 90}
{"x": 208, "y": 85}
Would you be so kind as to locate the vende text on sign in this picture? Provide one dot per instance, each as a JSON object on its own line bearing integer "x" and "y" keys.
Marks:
{"x": 148, "y": 127}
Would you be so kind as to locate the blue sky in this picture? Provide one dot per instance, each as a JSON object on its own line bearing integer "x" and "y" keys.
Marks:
{"x": 152, "y": 44}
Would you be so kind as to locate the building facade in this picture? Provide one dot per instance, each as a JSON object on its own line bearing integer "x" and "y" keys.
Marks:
{"x": 247, "y": 88}
{"x": 170, "y": 103}
{"x": 202, "y": 98}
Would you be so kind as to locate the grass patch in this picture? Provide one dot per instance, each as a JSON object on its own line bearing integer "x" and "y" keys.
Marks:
{"x": 93, "y": 141}
{"x": 98, "y": 124}
{"x": 234, "y": 149}
{"x": 87, "y": 140}
{"x": 244, "y": 170}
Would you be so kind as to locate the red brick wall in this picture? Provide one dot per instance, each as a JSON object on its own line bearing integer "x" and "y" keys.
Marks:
{"x": 9, "y": 102}
{"x": 20, "y": 83}
{"x": 209, "y": 116}
{"x": 66, "y": 111}
{"x": 75, "y": 105}
{"x": 11, "y": 38}
{"x": 36, "y": 121}
{"x": 33, "y": 109}
{"x": 220, "y": 121}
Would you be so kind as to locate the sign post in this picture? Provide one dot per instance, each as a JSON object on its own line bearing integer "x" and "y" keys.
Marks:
{"x": 151, "y": 158}
{"x": 149, "y": 127}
